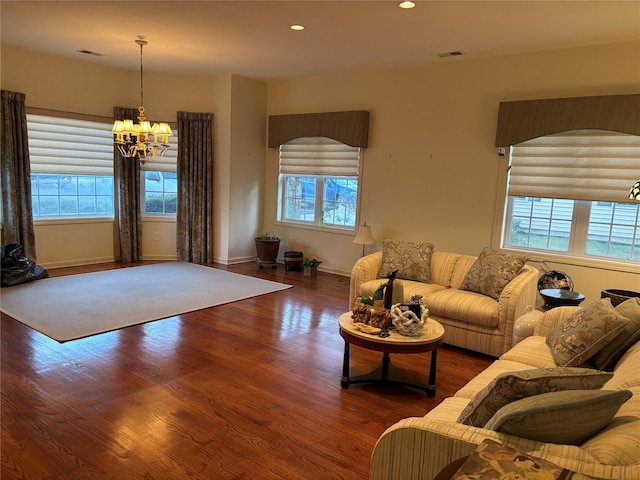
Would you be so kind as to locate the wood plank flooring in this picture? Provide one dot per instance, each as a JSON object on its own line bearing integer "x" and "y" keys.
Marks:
{"x": 247, "y": 390}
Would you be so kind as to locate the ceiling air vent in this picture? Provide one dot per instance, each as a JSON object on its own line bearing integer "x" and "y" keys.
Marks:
{"x": 89, "y": 52}
{"x": 449, "y": 54}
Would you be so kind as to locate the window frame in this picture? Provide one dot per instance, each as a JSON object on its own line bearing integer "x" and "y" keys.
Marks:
{"x": 571, "y": 258}
{"x": 321, "y": 178}
{"x": 143, "y": 198}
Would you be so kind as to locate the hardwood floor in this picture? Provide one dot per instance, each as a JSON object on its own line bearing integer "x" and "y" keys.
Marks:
{"x": 247, "y": 390}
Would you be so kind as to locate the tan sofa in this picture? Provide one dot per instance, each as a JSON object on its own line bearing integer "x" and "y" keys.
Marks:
{"x": 471, "y": 320}
{"x": 418, "y": 448}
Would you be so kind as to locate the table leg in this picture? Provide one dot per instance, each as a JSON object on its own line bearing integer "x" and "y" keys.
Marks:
{"x": 385, "y": 366}
{"x": 344, "y": 381}
{"x": 431, "y": 386}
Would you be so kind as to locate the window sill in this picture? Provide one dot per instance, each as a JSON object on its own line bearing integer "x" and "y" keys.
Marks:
{"x": 615, "y": 265}
{"x": 71, "y": 220}
{"x": 317, "y": 228}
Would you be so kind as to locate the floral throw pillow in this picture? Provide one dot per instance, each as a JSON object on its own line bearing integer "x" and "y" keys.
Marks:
{"x": 585, "y": 333}
{"x": 511, "y": 386}
{"x": 412, "y": 260}
{"x": 492, "y": 271}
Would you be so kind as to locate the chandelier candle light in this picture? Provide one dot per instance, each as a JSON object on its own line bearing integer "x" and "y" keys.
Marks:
{"x": 133, "y": 139}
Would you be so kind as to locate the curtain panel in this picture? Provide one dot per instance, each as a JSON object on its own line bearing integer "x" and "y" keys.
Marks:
{"x": 351, "y": 127}
{"x": 194, "y": 219}
{"x": 17, "y": 212}
{"x": 127, "y": 201}
{"x": 527, "y": 119}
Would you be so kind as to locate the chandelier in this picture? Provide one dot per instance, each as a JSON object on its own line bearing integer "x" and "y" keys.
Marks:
{"x": 134, "y": 139}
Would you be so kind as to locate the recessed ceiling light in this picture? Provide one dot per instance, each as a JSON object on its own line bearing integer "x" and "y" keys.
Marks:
{"x": 407, "y": 5}
{"x": 297, "y": 28}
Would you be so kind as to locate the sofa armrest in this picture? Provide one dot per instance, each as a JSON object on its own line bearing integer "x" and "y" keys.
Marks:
{"x": 420, "y": 447}
{"x": 551, "y": 318}
{"x": 516, "y": 298}
{"x": 364, "y": 270}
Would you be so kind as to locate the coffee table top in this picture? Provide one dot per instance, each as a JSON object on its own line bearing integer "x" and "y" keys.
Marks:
{"x": 433, "y": 331}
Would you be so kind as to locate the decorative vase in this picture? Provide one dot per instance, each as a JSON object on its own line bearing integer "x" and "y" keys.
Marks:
{"x": 293, "y": 261}
{"x": 267, "y": 252}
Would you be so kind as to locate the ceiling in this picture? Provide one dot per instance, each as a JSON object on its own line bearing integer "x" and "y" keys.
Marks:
{"x": 253, "y": 38}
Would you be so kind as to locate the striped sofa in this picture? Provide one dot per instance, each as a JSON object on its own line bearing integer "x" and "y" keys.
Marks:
{"x": 471, "y": 320}
{"x": 418, "y": 448}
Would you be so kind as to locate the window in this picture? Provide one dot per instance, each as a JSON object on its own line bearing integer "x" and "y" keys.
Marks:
{"x": 568, "y": 193}
{"x": 160, "y": 192}
{"x": 71, "y": 167}
{"x": 159, "y": 182}
{"x": 319, "y": 182}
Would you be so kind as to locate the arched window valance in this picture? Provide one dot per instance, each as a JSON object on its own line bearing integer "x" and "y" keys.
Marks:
{"x": 351, "y": 128}
{"x": 527, "y": 119}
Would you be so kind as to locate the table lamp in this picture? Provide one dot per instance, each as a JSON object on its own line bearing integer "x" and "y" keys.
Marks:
{"x": 364, "y": 237}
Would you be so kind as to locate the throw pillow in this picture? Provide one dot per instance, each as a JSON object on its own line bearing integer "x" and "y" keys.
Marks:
{"x": 569, "y": 417}
{"x": 412, "y": 260}
{"x": 584, "y": 333}
{"x": 511, "y": 386}
{"x": 492, "y": 271}
{"x": 607, "y": 358}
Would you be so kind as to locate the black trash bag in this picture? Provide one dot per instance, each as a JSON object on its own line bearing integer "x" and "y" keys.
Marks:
{"x": 17, "y": 268}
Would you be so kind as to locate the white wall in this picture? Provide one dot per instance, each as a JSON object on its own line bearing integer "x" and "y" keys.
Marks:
{"x": 431, "y": 172}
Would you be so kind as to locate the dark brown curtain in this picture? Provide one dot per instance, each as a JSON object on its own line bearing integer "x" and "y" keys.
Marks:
{"x": 194, "y": 220}
{"x": 127, "y": 203}
{"x": 17, "y": 213}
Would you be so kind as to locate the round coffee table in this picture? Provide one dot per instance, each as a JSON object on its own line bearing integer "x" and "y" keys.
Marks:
{"x": 429, "y": 341}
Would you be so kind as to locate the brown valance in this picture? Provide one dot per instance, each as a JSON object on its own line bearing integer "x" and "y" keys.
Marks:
{"x": 527, "y": 119}
{"x": 351, "y": 128}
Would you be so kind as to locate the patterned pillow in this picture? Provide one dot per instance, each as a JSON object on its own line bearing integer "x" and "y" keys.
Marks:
{"x": 569, "y": 417}
{"x": 607, "y": 358}
{"x": 492, "y": 271}
{"x": 412, "y": 260}
{"x": 511, "y": 386}
{"x": 585, "y": 333}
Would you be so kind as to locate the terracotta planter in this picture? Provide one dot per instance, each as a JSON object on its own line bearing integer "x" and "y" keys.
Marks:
{"x": 267, "y": 252}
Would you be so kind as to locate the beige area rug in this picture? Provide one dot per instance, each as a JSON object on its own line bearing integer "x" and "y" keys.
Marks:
{"x": 76, "y": 306}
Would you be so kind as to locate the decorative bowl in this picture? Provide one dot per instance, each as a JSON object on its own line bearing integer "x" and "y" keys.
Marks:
{"x": 618, "y": 296}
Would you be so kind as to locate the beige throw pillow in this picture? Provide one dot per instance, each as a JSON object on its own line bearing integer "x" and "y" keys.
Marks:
{"x": 569, "y": 417}
{"x": 511, "y": 386}
{"x": 585, "y": 333}
{"x": 607, "y": 358}
{"x": 412, "y": 260}
{"x": 492, "y": 271}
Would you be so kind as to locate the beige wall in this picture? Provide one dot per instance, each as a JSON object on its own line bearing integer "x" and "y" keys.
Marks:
{"x": 431, "y": 172}
{"x": 64, "y": 84}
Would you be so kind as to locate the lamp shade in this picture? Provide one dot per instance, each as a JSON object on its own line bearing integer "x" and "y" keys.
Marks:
{"x": 634, "y": 193}
{"x": 364, "y": 237}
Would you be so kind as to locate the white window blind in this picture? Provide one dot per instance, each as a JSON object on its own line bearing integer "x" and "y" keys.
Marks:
{"x": 166, "y": 163}
{"x": 319, "y": 156}
{"x": 69, "y": 146}
{"x": 593, "y": 165}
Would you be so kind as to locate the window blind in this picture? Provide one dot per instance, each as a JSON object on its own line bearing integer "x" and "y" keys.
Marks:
{"x": 319, "y": 156}
{"x": 594, "y": 165}
{"x": 69, "y": 145}
{"x": 166, "y": 163}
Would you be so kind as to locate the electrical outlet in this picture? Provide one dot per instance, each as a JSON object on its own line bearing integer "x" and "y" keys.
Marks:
{"x": 156, "y": 236}
{"x": 308, "y": 243}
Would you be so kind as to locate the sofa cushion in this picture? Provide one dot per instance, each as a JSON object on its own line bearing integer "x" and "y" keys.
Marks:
{"x": 492, "y": 271}
{"x": 585, "y": 332}
{"x": 412, "y": 260}
{"x": 409, "y": 288}
{"x": 566, "y": 417}
{"x": 468, "y": 307}
{"x": 532, "y": 351}
{"x": 512, "y": 386}
{"x": 607, "y": 358}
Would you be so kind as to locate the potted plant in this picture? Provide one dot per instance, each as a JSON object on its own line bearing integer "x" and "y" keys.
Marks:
{"x": 267, "y": 247}
{"x": 310, "y": 266}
